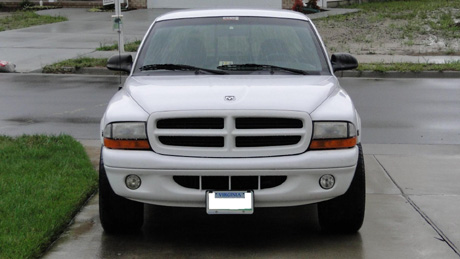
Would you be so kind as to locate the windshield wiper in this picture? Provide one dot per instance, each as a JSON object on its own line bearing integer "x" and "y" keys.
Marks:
{"x": 181, "y": 67}
{"x": 236, "y": 67}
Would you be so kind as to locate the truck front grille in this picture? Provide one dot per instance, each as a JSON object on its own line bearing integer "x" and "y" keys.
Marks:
{"x": 229, "y": 183}
{"x": 229, "y": 133}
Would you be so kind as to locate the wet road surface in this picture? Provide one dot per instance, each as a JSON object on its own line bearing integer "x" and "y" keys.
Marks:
{"x": 54, "y": 104}
{"x": 398, "y": 111}
{"x": 403, "y": 111}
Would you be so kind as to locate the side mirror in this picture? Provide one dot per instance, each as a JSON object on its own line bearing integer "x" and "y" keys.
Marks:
{"x": 122, "y": 62}
{"x": 343, "y": 61}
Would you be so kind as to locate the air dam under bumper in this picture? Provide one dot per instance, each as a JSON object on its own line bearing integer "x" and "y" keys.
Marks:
{"x": 303, "y": 172}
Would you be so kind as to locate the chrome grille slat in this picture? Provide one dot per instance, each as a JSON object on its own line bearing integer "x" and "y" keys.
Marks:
{"x": 268, "y": 132}
{"x": 190, "y": 132}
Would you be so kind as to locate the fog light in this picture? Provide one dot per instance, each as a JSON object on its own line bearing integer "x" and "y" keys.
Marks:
{"x": 133, "y": 181}
{"x": 327, "y": 181}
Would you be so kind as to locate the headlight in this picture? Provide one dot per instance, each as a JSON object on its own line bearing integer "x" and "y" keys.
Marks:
{"x": 126, "y": 135}
{"x": 333, "y": 135}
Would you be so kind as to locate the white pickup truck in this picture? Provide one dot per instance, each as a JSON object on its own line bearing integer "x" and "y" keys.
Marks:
{"x": 231, "y": 110}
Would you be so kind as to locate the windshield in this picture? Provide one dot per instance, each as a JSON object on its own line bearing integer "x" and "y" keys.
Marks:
{"x": 234, "y": 45}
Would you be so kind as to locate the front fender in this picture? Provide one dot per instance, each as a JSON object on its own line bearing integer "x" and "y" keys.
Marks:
{"x": 122, "y": 107}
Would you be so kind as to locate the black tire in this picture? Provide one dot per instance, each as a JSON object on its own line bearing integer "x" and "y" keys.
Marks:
{"x": 345, "y": 214}
{"x": 117, "y": 214}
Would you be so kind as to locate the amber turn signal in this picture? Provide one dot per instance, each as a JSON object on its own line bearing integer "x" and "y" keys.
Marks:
{"x": 126, "y": 144}
{"x": 333, "y": 143}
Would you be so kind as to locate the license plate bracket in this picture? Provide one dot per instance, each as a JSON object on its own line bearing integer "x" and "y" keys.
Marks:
{"x": 230, "y": 202}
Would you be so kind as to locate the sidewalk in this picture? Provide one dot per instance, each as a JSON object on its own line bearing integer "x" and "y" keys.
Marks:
{"x": 34, "y": 47}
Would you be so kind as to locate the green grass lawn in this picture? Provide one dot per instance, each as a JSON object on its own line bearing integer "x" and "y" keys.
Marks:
{"x": 129, "y": 47}
{"x": 60, "y": 67}
{"x": 421, "y": 15}
{"x": 409, "y": 67}
{"x": 44, "y": 180}
{"x": 409, "y": 27}
{"x": 76, "y": 63}
{"x": 23, "y": 19}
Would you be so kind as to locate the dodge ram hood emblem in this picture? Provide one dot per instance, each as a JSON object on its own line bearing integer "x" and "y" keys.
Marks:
{"x": 230, "y": 98}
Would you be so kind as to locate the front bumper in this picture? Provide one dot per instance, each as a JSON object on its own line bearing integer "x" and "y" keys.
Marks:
{"x": 301, "y": 187}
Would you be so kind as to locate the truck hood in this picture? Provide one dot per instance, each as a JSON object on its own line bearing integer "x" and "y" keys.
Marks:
{"x": 232, "y": 92}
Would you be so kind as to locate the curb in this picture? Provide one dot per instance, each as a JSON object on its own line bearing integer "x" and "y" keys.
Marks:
{"x": 396, "y": 74}
{"x": 97, "y": 71}
{"x": 341, "y": 74}
{"x": 83, "y": 71}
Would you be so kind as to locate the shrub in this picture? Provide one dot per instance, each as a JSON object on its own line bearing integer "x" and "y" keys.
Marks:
{"x": 25, "y": 4}
{"x": 298, "y": 5}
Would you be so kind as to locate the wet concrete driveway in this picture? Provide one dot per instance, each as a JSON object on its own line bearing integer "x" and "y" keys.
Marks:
{"x": 412, "y": 212}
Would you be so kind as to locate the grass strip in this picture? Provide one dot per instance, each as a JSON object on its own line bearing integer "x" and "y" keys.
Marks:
{"x": 44, "y": 180}
{"x": 401, "y": 27}
{"x": 409, "y": 67}
{"x": 129, "y": 47}
{"x": 419, "y": 16}
{"x": 24, "y": 19}
{"x": 70, "y": 65}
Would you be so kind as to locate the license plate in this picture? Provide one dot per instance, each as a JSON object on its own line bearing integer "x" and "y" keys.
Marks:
{"x": 230, "y": 202}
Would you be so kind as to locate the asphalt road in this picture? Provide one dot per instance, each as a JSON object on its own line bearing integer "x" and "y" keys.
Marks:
{"x": 413, "y": 180}
{"x": 54, "y": 104}
{"x": 398, "y": 111}
{"x": 407, "y": 111}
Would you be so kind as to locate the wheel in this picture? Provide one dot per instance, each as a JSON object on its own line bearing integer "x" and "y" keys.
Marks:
{"x": 117, "y": 214}
{"x": 345, "y": 214}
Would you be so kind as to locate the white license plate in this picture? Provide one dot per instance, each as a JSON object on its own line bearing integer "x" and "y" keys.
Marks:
{"x": 230, "y": 202}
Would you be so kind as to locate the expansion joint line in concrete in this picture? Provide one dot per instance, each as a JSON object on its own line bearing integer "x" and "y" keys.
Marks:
{"x": 420, "y": 211}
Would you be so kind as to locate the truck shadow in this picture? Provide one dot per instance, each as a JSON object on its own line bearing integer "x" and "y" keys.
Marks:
{"x": 269, "y": 232}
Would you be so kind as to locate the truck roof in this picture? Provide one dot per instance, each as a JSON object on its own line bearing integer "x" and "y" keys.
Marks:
{"x": 200, "y": 13}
